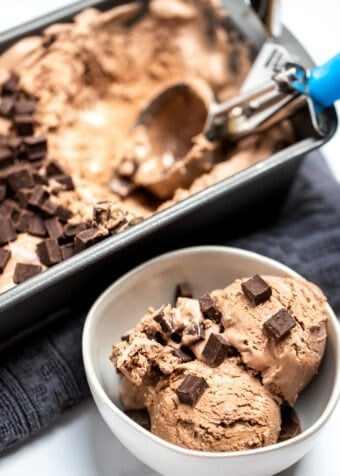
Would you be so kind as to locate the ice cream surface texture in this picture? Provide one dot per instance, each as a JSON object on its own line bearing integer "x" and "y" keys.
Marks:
{"x": 69, "y": 102}
{"x": 214, "y": 373}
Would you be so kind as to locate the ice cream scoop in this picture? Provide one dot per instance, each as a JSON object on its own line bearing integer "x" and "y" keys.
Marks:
{"x": 250, "y": 111}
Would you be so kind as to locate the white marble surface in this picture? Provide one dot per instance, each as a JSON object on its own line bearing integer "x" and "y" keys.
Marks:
{"x": 80, "y": 444}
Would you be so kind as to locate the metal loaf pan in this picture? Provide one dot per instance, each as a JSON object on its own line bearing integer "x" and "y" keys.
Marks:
{"x": 201, "y": 218}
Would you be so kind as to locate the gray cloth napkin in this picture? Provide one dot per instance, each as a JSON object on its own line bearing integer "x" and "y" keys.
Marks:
{"x": 42, "y": 376}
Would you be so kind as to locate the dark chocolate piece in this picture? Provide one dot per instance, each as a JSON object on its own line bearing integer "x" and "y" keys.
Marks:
{"x": 279, "y": 324}
{"x": 24, "y": 125}
{"x": 49, "y": 252}
{"x": 39, "y": 179}
{"x": 176, "y": 337}
{"x": 37, "y": 197}
{"x": 63, "y": 213}
{"x": 196, "y": 332}
{"x": 2, "y": 192}
{"x": 140, "y": 416}
{"x": 36, "y": 226}
{"x": 7, "y": 207}
{"x": 7, "y": 231}
{"x": 216, "y": 350}
{"x": 183, "y": 289}
{"x": 183, "y": 356}
{"x": 36, "y": 147}
{"x": 6, "y": 157}
{"x": 23, "y": 196}
{"x": 65, "y": 180}
{"x": 209, "y": 309}
{"x": 54, "y": 228}
{"x": 4, "y": 258}
{"x": 11, "y": 86}
{"x": 53, "y": 168}
{"x": 17, "y": 146}
{"x": 290, "y": 425}
{"x": 191, "y": 389}
{"x": 7, "y": 107}
{"x": 71, "y": 230}
{"x": 256, "y": 290}
{"x": 49, "y": 208}
{"x": 24, "y": 271}
{"x": 125, "y": 338}
{"x": 25, "y": 106}
{"x": 121, "y": 186}
{"x": 20, "y": 177}
{"x": 21, "y": 220}
{"x": 87, "y": 238}
{"x": 67, "y": 250}
{"x": 166, "y": 326}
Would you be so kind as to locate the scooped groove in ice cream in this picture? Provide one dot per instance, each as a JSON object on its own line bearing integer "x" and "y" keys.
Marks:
{"x": 213, "y": 372}
{"x": 90, "y": 80}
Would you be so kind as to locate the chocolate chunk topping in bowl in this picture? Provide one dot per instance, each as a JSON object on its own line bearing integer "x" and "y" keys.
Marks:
{"x": 191, "y": 389}
{"x": 256, "y": 290}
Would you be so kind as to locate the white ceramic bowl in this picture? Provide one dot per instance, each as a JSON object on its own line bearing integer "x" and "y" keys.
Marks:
{"x": 153, "y": 283}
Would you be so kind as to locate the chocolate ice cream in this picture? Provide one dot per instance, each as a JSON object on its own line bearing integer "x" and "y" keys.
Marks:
{"x": 70, "y": 98}
{"x": 216, "y": 373}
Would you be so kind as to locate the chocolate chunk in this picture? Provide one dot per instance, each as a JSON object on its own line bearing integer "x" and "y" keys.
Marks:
{"x": 20, "y": 177}
{"x": 71, "y": 230}
{"x": 183, "y": 356}
{"x": 121, "y": 186}
{"x": 67, "y": 250}
{"x": 7, "y": 107}
{"x": 37, "y": 197}
{"x": 256, "y": 290}
{"x": 17, "y": 146}
{"x": 53, "y": 168}
{"x": 194, "y": 332}
{"x": 36, "y": 147}
{"x": 65, "y": 180}
{"x": 6, "y": 157}
{"x": 7, "y": 207}
{"x": 11, "y": 86}
{"x": 290, "y": 425}
{"x": 216, "y": 350}
{"x": 140, "y": 416}
{"x": 166, "y": 326}
{"x": 24, "y": 125}
{"x": 125, "y": 338}
{"x": 49, "y": 208}
{"x": 39, "y": 179}
{"x": 49, "y": 252}
{"x": 191, "y": 389}
{"x": 25, "y": 106}
{"x": 23, "y": 196}
{"x": 7, "y": 231}
{"x": 21, "y": 220}
{"x": 24, "y": 271}
{"x": 183, "y": 289}
{"x": 63, "y": 213}
{"x": 175, "y": 337}
{"x": 2, "y": 192}
{"x": 209, "y": 309}
{"x": 279, "y": 324}
{"x": 87, "y": 238}
{"x": 36, "y": 226}
{"x": 4, "y": 258}
{"x": 54, "y": 228}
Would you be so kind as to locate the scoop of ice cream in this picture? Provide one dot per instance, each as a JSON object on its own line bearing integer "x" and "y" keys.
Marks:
{"x": 287, "y": 364}
{"x": 235, "y": 412}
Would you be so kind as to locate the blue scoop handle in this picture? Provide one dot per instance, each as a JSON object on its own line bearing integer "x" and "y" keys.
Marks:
{"x": 324, "y": 82}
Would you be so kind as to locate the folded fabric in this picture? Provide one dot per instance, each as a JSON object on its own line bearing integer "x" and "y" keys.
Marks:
{"x": 42, "y": 376}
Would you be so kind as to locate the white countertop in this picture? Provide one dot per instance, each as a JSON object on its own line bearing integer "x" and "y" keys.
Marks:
{"x": 80, "y": 443}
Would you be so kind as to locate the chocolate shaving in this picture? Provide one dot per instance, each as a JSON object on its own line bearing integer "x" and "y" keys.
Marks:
{"x": 4, "y": 258}
{"x": 191, "y": 389}
{"x": 140, "y": 416}
{"x": 209, "y": 308}
{"x": 256, "y": 290}
{"x": 280, "y": 324}
{"x": 216, "y": 350}
{"x": 24, "y": 271}
{"x": 49, "y": 252}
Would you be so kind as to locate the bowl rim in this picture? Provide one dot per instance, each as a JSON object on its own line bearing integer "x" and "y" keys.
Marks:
{"x": 97, "y": 388}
